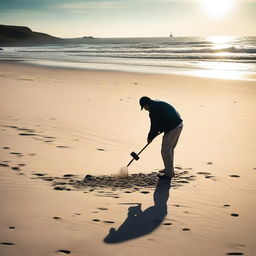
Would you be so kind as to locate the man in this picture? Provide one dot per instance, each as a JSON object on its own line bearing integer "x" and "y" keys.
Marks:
{"x": 164, "y": 118}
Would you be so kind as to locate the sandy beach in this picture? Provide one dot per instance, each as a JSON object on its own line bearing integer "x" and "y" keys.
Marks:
{"x": 59, "y": 125}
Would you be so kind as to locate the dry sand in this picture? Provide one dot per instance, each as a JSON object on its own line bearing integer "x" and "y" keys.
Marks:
{"x": 56, "y": 122}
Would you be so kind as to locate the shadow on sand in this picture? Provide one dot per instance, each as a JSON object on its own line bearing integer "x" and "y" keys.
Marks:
{"x": 139, "y": 223}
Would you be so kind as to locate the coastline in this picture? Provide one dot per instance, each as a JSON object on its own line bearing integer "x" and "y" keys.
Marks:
{"x": 88, "y": 122}
{"x": 140, "y": 69}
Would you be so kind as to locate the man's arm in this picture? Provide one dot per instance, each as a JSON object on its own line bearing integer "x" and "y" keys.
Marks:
{"x": 153, "y": 127}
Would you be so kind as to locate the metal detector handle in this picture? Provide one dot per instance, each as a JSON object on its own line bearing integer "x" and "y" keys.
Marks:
{"x": 148, "y": 143}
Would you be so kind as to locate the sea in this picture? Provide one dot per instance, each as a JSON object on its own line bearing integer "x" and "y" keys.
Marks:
{"x": 215, "y": 56}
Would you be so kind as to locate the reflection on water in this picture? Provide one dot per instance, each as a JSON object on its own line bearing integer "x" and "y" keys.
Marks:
{"x": 223, "y": 45}
{"x": 222, "y": 41}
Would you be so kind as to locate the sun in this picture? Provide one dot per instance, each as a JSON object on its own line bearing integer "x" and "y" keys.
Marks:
{"x": 218, "y": 8}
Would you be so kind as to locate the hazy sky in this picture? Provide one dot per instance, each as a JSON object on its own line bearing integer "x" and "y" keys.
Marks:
{"x": 130, "y": 18}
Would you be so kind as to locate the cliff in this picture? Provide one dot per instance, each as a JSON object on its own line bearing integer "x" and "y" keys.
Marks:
{"x": 17, "y": 35}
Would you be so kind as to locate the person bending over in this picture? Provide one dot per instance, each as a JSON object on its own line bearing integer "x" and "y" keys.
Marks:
{"x": 164, "y": 118}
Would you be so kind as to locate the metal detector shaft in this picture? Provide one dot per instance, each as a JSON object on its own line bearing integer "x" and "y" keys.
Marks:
{"x": 138, "y": 154}
{"x": 143, "y": 148}
{"x": 130, "y": 162}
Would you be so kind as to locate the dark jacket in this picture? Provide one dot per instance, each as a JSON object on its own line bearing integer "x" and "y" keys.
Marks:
{"x": 163, "y": 117}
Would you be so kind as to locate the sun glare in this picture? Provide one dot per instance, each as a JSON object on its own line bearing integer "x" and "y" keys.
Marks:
{"x": 217, "y": 8}
{"x": 220, "y": 42}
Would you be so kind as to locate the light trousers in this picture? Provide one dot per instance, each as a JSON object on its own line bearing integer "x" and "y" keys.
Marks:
{"x": 170, "y": 140}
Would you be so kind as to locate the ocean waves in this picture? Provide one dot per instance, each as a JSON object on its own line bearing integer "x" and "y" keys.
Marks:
{"x": 150, "y": 50}
{"x": 187, "y": 51}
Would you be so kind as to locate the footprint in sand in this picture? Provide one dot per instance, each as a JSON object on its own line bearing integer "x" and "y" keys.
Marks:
{"x": 11, "y": 227}
{"x": 64, "y": 251}
{"x": 234, "y": 214}
{"x": 209, "y": 163}
{"x": 26, "y": 130}
{"x": 62, "y": 188}
{"x": 6, "y": 148}
{"x": 16, "y": 153}
{"x": 144, "y": 192}
{"x": 57, "y": 218}
{"x": 7, "y": 243}
{"x": 4, "y": 165}
{"x": 49, "y": 137}
{"x": 209, "y": 176}
{"x": 39, "y": 174}
{"x": 103, "y": 209}
{"x": 234, "y": 176}
{"x": 59, "y": 188}
{"x": 68, "y": 175}
{"x": 96, "y": 220}
{"x": 234, "y": 253}
{"x": 204, "y": 173}
{"x": 185, "y": 229}
{"x": 182, "y": 181}
{"x": 28, "y": 134}
{"x": 11, "y": 126}
{"x": 109, "y": 221}
{"x": 167, "y": 224}
{"x": 16, "y": 168}
{"x": 48, "y": 179}
{"x": 25, "y": 79}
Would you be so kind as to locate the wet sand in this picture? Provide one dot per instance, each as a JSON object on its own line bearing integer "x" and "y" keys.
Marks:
{"x": 65, "y": 134}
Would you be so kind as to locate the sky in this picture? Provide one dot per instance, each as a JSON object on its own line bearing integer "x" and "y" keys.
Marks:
{"x": 132, "y": 18}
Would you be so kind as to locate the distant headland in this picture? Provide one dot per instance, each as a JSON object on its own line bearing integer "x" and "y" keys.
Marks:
{"x": 19, "y": 36}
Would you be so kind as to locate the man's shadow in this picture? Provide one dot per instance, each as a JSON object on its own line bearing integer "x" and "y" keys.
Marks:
{"x": 139, "y": 223}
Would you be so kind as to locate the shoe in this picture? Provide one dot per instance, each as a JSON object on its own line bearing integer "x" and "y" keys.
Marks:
{"x": 164, "y": 176}
{"x": 162, "y": 172}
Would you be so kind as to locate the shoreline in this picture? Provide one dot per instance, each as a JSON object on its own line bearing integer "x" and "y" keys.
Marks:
{"x": 143, "y": 70}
